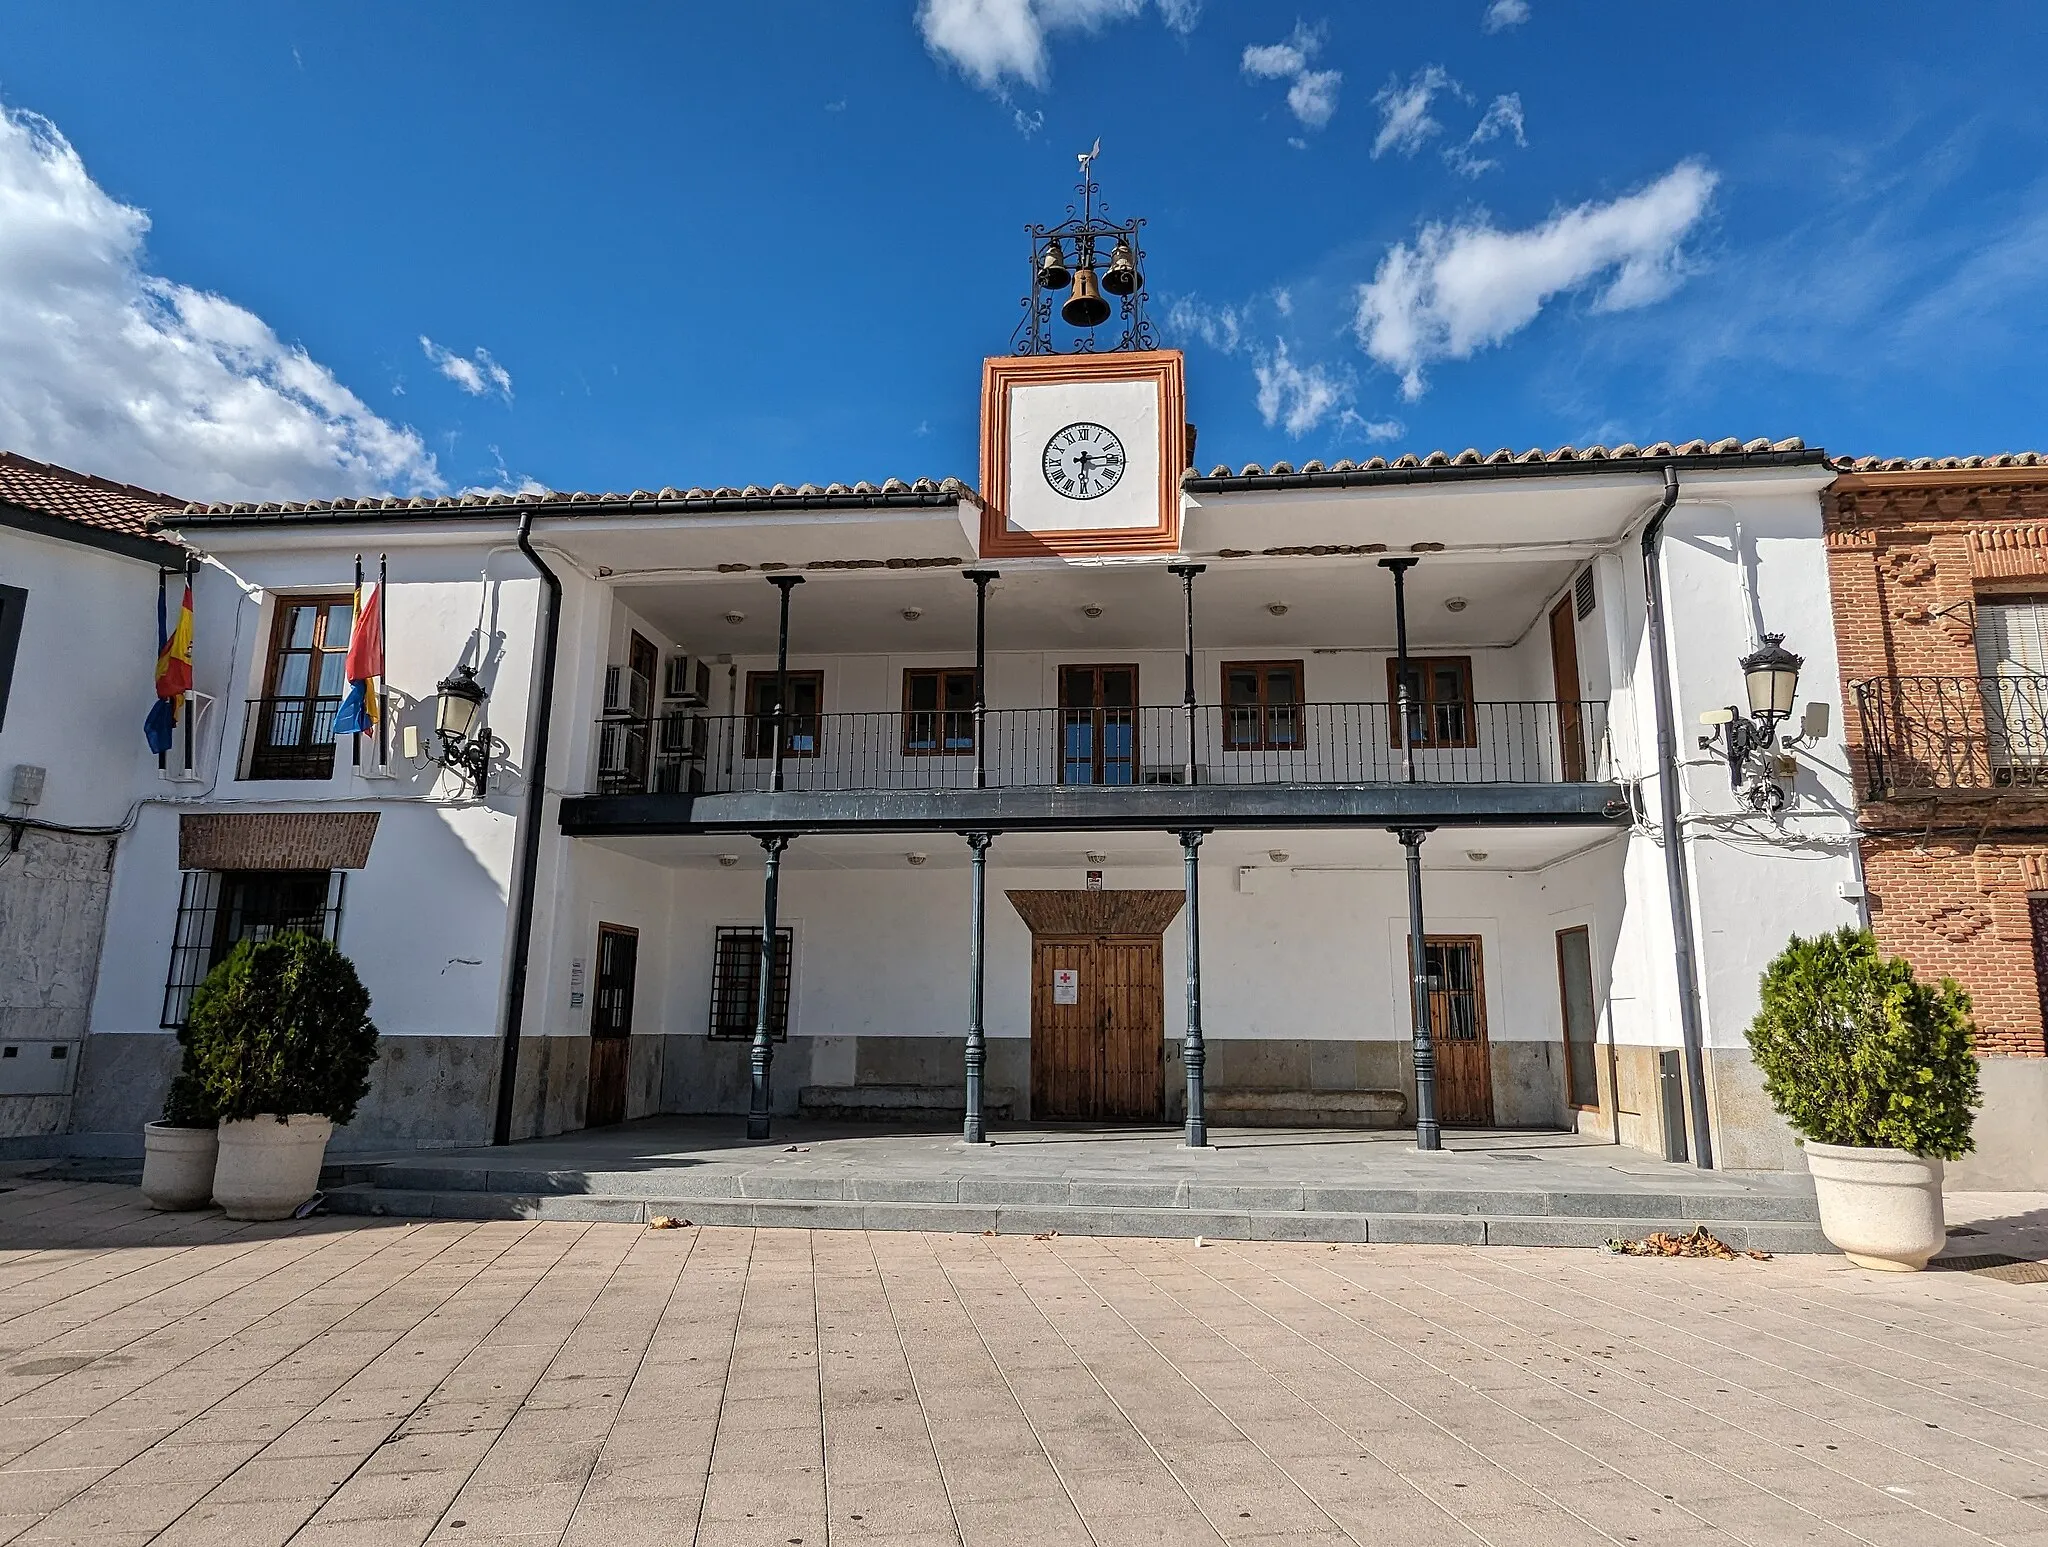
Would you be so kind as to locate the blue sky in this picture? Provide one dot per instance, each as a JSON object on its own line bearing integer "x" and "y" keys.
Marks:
{"x": 704, "y": 244}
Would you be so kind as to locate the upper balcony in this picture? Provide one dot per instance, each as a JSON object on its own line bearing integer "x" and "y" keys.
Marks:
{"x": 1962, "y": 736}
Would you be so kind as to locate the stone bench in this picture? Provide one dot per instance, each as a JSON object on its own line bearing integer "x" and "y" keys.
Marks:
{"x": 1306, "y": 1108}
{"x": 934, "y": 1104}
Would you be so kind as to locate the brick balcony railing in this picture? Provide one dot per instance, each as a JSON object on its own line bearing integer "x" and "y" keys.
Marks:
{"x": 1954, "y": 734}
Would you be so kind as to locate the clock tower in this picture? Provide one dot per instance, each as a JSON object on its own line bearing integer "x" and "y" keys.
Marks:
{"x": 1082, "y": 446}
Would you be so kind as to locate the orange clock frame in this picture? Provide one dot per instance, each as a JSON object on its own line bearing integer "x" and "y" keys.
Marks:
{"x": 1002, "y": 372}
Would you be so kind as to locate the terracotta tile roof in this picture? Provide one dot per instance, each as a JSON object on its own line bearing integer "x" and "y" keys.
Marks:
{"x": 1410, "y": 467}
{"x": 101, "y": 503}
{"x": 781, "y": 496}
{"x": 1937, "y": 464}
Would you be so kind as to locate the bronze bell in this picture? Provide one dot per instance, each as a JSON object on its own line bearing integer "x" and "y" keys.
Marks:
{"x": 1122, "y": 277}
{"x": 1085, "y": 307}
{"x": 1052, "y": 267}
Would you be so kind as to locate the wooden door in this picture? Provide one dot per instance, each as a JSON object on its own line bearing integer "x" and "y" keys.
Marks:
{"x": 1099, "y": 725}
{"x": 611, "y": 1025}
{"x": 1457, "y": 1029}
{"x": 1097, "y": 1028}
{"x": 1564, "y": 672}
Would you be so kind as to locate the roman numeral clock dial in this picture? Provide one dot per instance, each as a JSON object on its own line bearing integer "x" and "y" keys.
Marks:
{"x": 1083, "y": 461}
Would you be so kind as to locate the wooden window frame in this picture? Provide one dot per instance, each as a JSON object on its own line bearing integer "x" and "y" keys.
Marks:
{"x": 731, "y": 1029}
{"x": 1423, "y": 666}
{"x": 941, "y": 746}
{"x": 1264, "y": 741}
{"x": 1134, "y": 713}
{"x": 267, "y": 760}
{"x": 1571, "y": 1085}
{"x": 760, "y": 726}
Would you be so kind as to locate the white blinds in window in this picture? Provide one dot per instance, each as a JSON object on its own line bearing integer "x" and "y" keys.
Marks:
{"x": 2012, "y": 639}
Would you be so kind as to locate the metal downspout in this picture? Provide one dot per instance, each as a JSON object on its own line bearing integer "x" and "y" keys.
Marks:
{"x": 529, "y": 834}
{"x": 1674, "y": 849}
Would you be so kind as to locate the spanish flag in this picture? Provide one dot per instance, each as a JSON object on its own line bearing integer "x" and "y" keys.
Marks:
{"x": 365, "y": 665}
{"x": 173, "y": 671}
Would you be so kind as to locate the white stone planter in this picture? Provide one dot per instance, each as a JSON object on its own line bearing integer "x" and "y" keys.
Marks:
{"x": 177, "y": 1166}
{"x": 268, "y": 1166}
{"x": 1882, "y": 1207}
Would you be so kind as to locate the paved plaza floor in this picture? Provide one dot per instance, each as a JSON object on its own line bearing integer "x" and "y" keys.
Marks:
{"x": 178, "y": 1379}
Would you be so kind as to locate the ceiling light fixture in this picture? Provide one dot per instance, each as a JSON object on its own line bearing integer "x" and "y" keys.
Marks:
{"x": 1091, "y": 611}
{"x": 1277, "y": 856}
{"x": 916, "y": 859}
{"x": 1277, "y": 609}
{"x": 1456, "y": 604}
{"x": 1098, "y": 859}
{"x": 912, "y": 614}
{"x": 735, "y": 617}
{"x": 728, "y": 860}
{"x": 1477, "y": 856}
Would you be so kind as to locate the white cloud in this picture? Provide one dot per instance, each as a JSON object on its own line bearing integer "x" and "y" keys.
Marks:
{"x": 1222, "y": 328}
{"x": 1464, "y": 287}
{"x": 995, "y": 42}
{"x": 1373, "y": 429}
{"x": 1405, "y": 123}
{"x": 1503, "y": 118}
{"x": 109, "y": 368}
{"x": 1027, "y": 124}
{"x": 1294, "y": 397}
{"x": 1503, "y": 14}
{"x": 1311, "y": 94}
{"x": 476, "y": 376}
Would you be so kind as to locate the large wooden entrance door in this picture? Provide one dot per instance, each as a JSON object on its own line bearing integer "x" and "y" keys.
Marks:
{"x": 1457, "y": 1029}
{"x": 1564, "y": 675}
{"x": 1098, "y": 1015}
{"x": 611, "y": 1025}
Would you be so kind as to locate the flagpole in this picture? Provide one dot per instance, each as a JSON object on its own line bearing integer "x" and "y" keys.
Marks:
{"x": 383, "y": 695}
{"x": 163, "y": 757}
{"x": 191, "y": 565}
{"x": 355, "y": 620}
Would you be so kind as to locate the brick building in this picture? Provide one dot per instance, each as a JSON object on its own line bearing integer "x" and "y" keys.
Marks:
{"x": 1939, "y": 569}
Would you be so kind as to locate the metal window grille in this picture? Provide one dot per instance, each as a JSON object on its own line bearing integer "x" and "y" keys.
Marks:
{"x": 735, "y": 983}
{"x": 1582, "y": 593}
{"x": 219, "y": 908}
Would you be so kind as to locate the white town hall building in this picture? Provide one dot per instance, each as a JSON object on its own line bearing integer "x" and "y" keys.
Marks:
{"x": 1134, "y": 702}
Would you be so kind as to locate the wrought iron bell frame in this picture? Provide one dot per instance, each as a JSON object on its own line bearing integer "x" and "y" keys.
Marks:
{"x": 1090, "y": 238}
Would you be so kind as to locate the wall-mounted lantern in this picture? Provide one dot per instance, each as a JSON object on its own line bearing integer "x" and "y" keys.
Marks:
{"x": 466, "y": 742}
{"x": 1749, "y": 743}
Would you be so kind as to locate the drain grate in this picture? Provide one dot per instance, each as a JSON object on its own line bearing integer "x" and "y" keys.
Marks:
{"x": 2007, "y": 1270}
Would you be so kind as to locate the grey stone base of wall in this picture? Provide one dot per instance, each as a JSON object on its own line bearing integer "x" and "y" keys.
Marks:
{"x": 2011, "y": 1130}
{"x": 425, "y": 1093}
{"x": 433, "y": 1092}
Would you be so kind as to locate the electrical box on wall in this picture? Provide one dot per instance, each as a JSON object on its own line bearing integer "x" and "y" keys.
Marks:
{"x": 37, "y": 1068}
{"x": 25, "y": 786}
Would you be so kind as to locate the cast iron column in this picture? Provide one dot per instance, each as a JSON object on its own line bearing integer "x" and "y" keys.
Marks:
{"x": 1187, "y": 573}
{"x": 1428, "y": 1136}
{"x": 1402, "y": 692}
{"x": 981, "y": 578}
{"x": 780, "y": 729}
{"x": 1191, "y": 1054}
{"x": 976, "y": 1130}
{"x": 763, "y": 1054}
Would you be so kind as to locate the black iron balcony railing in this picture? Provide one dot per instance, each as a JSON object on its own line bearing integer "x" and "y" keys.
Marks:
{"x": 289, "y": 738}
{"x": 1536, "y": 742}
{"x": 1933, "y": 734}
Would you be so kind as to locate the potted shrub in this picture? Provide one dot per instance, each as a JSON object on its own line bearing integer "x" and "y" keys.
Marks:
{"x": 1875, "y": 1072}
{"x": 282, "y": 1037}
{"x": 179, "y": 1149}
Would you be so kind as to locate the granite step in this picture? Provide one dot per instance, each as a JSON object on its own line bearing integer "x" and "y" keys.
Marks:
{"x": 1388, "y": 1222}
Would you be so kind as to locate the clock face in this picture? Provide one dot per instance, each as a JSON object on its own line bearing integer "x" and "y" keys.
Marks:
{"x": 1083, "y": 461}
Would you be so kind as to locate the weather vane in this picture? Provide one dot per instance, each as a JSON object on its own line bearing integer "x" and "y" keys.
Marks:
{"x": 1086, "y": 229}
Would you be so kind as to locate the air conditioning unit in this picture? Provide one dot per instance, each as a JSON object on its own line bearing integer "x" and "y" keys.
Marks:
{"x": 687, "y": 681}
{"x": 1171, "y": 773}
{"x": 621, "y": 757}
{"x": 627, "y": 692}
{"x": 683, "y": 735}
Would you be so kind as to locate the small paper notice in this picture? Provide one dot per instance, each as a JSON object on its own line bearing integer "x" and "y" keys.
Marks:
{"x": 1066, "y": 985}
